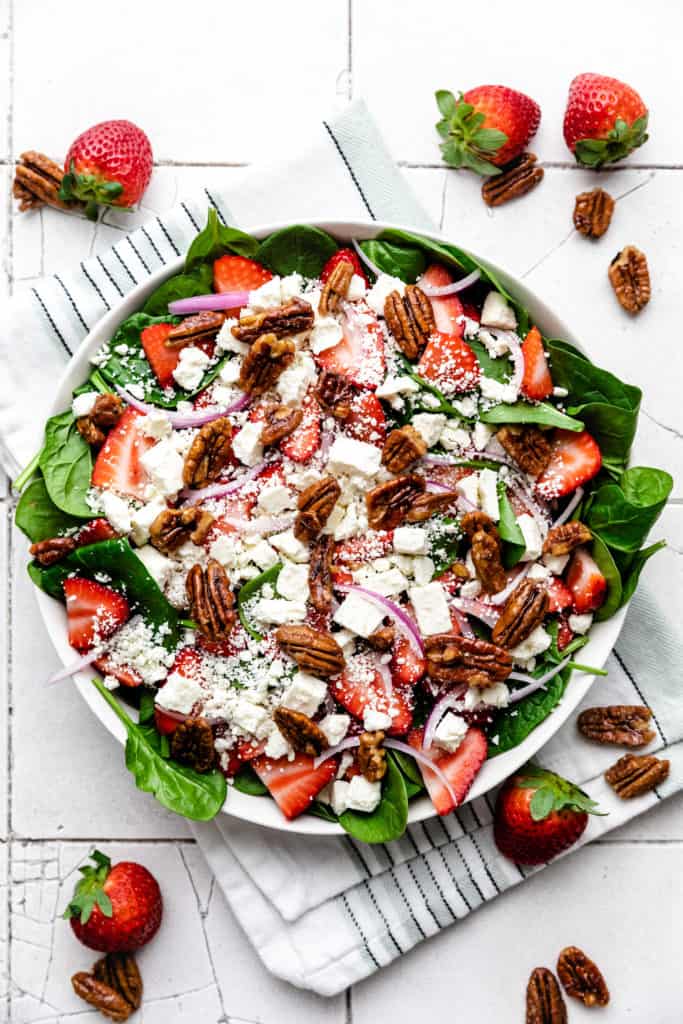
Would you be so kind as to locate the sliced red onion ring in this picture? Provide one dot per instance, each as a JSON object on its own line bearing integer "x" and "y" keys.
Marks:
{"x": 449, "y": 700}
{"x": 502, "y": 597}
{"x": 76, "y": 666}
{"x": 386, "y": 677}
{"x": 262, "y": 524}
{"x": 365, "y": 259}
{"x": 451, "y": 289}
{"x": 463, "y": 623}
{"x": 578, "y": 495}
{"x": 436, "y": 487}
{"x": 404, "y": 623}
{"x": 479, "y": 609}
{"x": 405, "y": 748}
{"x": 220, "y": 490}
{"x": 350, "y": 741}
{"x": 525, "y": 496}
{"x": 534, "y": 684}
{"x": 181, "y": 420}
{"x": 218, "y": 300}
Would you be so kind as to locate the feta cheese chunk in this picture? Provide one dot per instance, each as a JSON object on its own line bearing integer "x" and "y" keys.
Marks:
{"x": 142, "y": 519}
{"x": 580, "y": 623}
{"x": 230, "y": 372}
{"x": 164, "y": 465}
{"x": 277, "y": 746}
{"x": 383, "y": 286}
{"x": 261, "y": 553}
{"x": 266, "y": 296}
{"x": 532, "y": 537}
{"x": 157, "y": 565}
{"x": 537, "y": 642}
{"x": 423, "y": 569}
{"x": 350, "y": 456}
{"x": 246, "y": 444}
{"x": 84, "y": 404}
{"x": 251, "y": 718}
{"x": 290, "y": 546}
{"x": 291, "y": 287}
{"x": 496, "y": 391}
{"x": 394, "y": 387}
{"x": 293, "y": 384}
{"x": 326, "y": 334}
{"x": 360, "y": 616}
{"x": 388, "y": 583}
{"x": 279, "y": 611}
{"x": 450, "y": 732}
{"x": 488, "y": 493}
{"x": 363, "y": 795}
{"x": 431, "y": 608}
{"x": 339, "y": 796}
{"x": 117, "y": 511}
{"x": 429, "y": 425}
{"x": 496, "y": 696}
{"x": 538, "y": 572}
{"x": 481, "y": 435}
{"x": 410, "y": 540}
{"x": 227, "y": 342}
{"x": 180, "y": 693}
{"x": 496, "y": 313}
{"x": 191, "y": 366}
{"x": 453, "y": 437}
{"x": 156, "y": 424}
{"x": 275, "y": 498}
{"x": 374, "y": 720}
{"x": 335, "y": 728}
{"x": 292, "y": 582}
{"x": 356, "y": 289}
{"x": 305, "y": 693}
{"x": 556, "y": 563}
{"x": 468, "y": 488}
{"x": 495, "y": 344}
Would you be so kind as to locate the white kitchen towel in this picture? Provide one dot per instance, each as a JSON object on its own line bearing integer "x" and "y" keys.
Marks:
{"x": 324, "y": 913}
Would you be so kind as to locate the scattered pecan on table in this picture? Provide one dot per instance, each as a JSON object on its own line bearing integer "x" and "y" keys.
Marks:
{"x": 280, "y": 421}
{"x": 320, "y": 573}
{"x": 47, "y": 552}
{"x": 335, "y": 394}
{"x": 402, "y": 447}
{"x": 192, "y": 744}
{"x": 544, "y": 1001}
{"x": 528, "y": 446}
{"x": 425, "y": 505}
{"x": 388, "y": 503}
{"x": 37, "y": 181}
{"x": 301, "y": 732}
{"x": 264, "y": 363}
{"x": 561, "y": 540}
{"x": 121, "y": 972}
{"x": 630, "y": 278}
{"x": 516, "y": 179}
{"x": 410, "y": 319}
{"x": 593, "y": 212}
{"x": 624, "y": 725}
{"x": 105, "y": 414}
{"x": 336, "y": 288}
{"x": 525, "y": 608}
{"x": 581, "y": 978}
{"x": 636, "y": 774}
{"x": 460, "y": 659}
{"x": 314, "y": 650}
{"x": 209, "y": 453}
{"x": 293, "y": 317}
{"x": 210, "y": 600}
{"x": 315, "y": 504}
{"x": 174, "y": 526}
{"x": 372, "y": 757}
{"x": 202, "y": 326}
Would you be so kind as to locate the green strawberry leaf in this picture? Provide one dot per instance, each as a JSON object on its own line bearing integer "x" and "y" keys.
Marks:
{"x": 552, "y": 793}
{"x": 467, "y": 142}
{"x": 89, "y": 890}
{"x": 489, "y": 140}
{"x": 542, "y": 803}
{"x": 620, "y": 141}
{"x": 446, "y": 102}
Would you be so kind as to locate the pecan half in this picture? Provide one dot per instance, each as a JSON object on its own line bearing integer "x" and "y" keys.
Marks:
{"x": 202, "y": 326}
{"x": 336, "y": 288}
{"x": 263, "y": 364}
{"x": 410, "y": 319}
{"x": 210, "y": 600}
{"x": 635, "y": 774}
{"x": 625, "y": 725}
{"x": 37, "y": 180}
{"x": 564, "y": 538}
{"x": 293, "y": 317}
{"x": 525, "y": 608}
{"x": 528, "y": 446}
{"x": 320, "y": 573}
{"x": 473, "y": 522}
{"x": 280, "y": 422}
{"x": 629, "y": 276}
{"x": 517, "y": 179}
{"x": 486, "y": 555}
{"x": 382, "y": 639}
{"x": 174, "y": 526}
{"x": 581, "y": 978}
{"x": 210, "y": 452}
{"x": 459, "y": 659}
{"x": 426, "y": 505}
{"x": 314, "y": 650}
{"x": 47, "y": 552}
{"x": 544, "y": 1002}
{"x": 102, "y": 996}
{"x": 402, "y": 447}
{"x": 372, "y": 757}
{"x": 300, "y": 731}
{"x": 388, "y": 503}
{"x": 104, "y": 415}
{"x": 315, "y": 504}
{"x": 192, "y": 744}
{"x": 593, "y": 212}
{"x": 335, "y": 394}
{"x": 121, "y": 972}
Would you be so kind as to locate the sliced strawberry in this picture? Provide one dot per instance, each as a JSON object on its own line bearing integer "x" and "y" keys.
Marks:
{"x": 249, "y": 750}
{"x": 536, "y": 382}
{"x": 407, "y": 666}
{"x": 238, "y": 274}
{"x": 575, "y": 460}
{"x": 360, "y": 354}
{"x": 366, "y": 420}
{"x": 93, "y": 611}
{"x": 233, "y": 509}
{"x": 164, "y": 360}
{"x": 585, "y": 581}
{"x": 559, "y": 596}
{"x": 448, "y": 309}
{"x": 374, "y": 544}
{"x": 294, "y": 784}
{"x": 303, "y": 442}
{"x": 117, "y": 467}
{"x": 450, "y": 475}
{"x": 471, "y": 312}
{"x": 341, "y": 256}
{"x": 564, "y": 633}
{"x": 449, "y": 362}
{"x": 451, "y": 583}
{"x": 94, "y": 531}
{"x": 460, "y": 768}
{"x": 318, "y": 619}
{"x": 126, "y": 676}
{"x": 165, "y": 723}
{"x": 361, "y": 687}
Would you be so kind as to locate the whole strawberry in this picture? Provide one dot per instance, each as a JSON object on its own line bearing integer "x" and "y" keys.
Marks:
{"x": 486, "y": 127}
{"x": 115, "y": 909}
{"x": 538, "y": 815}
{"x": 605, "y": 120}
{"x": 109, "y": 164}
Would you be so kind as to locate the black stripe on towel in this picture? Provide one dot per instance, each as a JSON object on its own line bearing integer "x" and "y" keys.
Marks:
{"x": 349, "y": 168}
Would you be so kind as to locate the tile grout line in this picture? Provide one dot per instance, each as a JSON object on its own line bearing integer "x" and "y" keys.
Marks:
{"x": 9, "y": 545}
{"x": 349, "y": 51}
{"x": 560, "y": 165}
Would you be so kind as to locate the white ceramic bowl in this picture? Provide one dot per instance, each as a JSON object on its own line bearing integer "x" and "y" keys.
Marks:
{"x": 260, "y": 810}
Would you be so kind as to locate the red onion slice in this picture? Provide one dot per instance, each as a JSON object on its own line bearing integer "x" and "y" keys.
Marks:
{"x": 262, "y": 524}
{"x": 479, "y": 609}
{"x": 463, "y": 623}
{"x": 365, "y": 259}
{"x": 578, "y": 495}
{"x": 527, "y": 499}
{"x": 534, "y": 684}
{"x": 219, "y": 300}
{"x": 350, "y": 741}
{"x": 453, "y": 288}
{"x": 180, "y": 420}
{"x": 76, "y": 666}
{"x": 405, "y": 748}
{"x": 220, "y": 490}
{"x": 436, "y": 487}
{"x": 502, "y": 597}
{"x": 403, "y": 621}
{"x": 449, "y": 700}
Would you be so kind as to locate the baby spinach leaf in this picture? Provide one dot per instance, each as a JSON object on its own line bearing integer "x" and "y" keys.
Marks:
{"x": 608, "y": 568}
{"x": 512, "y": 725}
{"x": 509, "y": 530}
{"x": 497, "y": 369}
{"x": 623, "y": 513}
{"x": 388, "y": 820}
{"x": 197, "y": 281}
{"x": 413, "y": 777}
{"x": 444, "y": 405}
{"x": 216, "y": 240}
{"x": 542, "y": 413}
{"x": 444, "y": 543}
{"x": 250, "y": 590}
{"x": 298, "y": 249}
{"x": 247, "y": 781}
{"x": 38, "y": 516}
{"x": 406, "y": 263}
{"x": 553, "y": 656}
{"x": 631, "y": 567}
{"x": 178, "y": 788}
{"x": 321, "y": 810}
{"x": 66, "y": 465}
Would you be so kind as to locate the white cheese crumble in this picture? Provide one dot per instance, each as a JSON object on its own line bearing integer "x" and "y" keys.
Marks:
{"x": 580, "y": 623}
{"x": 488, "y": 493}
{"x": 350, "y": 456}
{"x": 496, "y": 313}
{"x": 117, "y": 510}
{"x": 192, "y": 364}
{"x": 164, "y": 465}
{"x": 305, "y": 694}
{"x": 358, "y": 615}
{"x": 532, "y": 537}
{"x": 326, "y": 334}
{"x": 450, "y": 732}
{"x": 429, "y": 425}
{"x": 383, "y": 286}
{"x": 84, "y": 404}
{"x": 292, "y": 582}
{"x": 431, "y": 608}
{"x": 410, "y": 540}
{"x": 246, "y": 444}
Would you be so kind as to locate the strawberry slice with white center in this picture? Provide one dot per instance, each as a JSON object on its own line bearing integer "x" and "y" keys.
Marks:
{"x": 366, "y": 420}
{"x": 294, "y": 784}
{"x": 460, "y": 768}
{"x": 559, "y": 595}
{"x": 536, "y": 382}
{"x": 303, "y": 443}
{"x": 407, "y": 665}
{"x": 118, "y": 467}
{"x": 94, "y": 612}
{"x": 448, "y": 309}
{"x": 586, "y": 583}
{"x": 574, "y": 460}
{"x": 360, "y": 687}
{"x": 360, "y": 354}
{"x": 449, "y": 363}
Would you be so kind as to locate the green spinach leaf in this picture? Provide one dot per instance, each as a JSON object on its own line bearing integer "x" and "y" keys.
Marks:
{"x": 406, "y": 263}
{"x": 321, "y": 810}
{"x": 197, "y": 281}
{"x": 247, "y": 781}
{"x": 388, "y": 820}
{"x": 249, "y": 590}
{"x": 444, "y": 542}
{"x": 37, "y": 515}
{"x": 66, "y": 465}
{"x": 512, "y": 725}
{"x": 623, "y": 513}
{"x": 631, "y": 567}
{"x": 509, "y": 530}
{"x": 216, "y": 240}
{"x": 608, "y": 568}
{"x": 299, "y": 249}
{"x": 412, "y": 775}
{"x": 542, "y": 413}
{"x": 497, "y": 369}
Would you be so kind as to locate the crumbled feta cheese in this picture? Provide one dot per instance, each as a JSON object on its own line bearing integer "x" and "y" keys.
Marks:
{"x": 410, "y": 540}
{"x": 450, "y": 732}
{"x": 261, "y": 553}
{"x": 117, "y": 510}
{"x": 279, "y": 611}
{"x": 277, "y": 746}
{"x": 423, "y": 569}
{"x": 292, "y": 582}
{"x": 251, "y": 718}
{"x": 291, "y": 287}
{"x": 192, "y": 363}
{"x": 468, "y": 488}
{"x": 293, "y": 384}
{"x": 374, "y": 720}
{"x": 356, "y": 289}
{"x": 393, "y": 387}
{"x": 350, "y": 456}
{"x": 429, "y": 425}
{"x": 496, "y": 344}
{"x": 339, "y": 796}
{"x": 470, "y": 589}
{"x": 290, "y": 546}
{"x": 164, "y": 466}
{"x": 481, "y": 435}
{"x": 142, "y": 519}
{"x": 230, "y": 372}
{"x": 466, "y": 406}
{"x": 275, "y": 498}
{"x": 383, "y": 286}
{"x": 226, "y": 549}
{"x": 335, "y": 728}
{"x": 156, "y": 424}
{"x": 538, "y": 572}
{"x": 180, "y": 693}
{"x": 556, "y": 563}
{"x": 305, "y": 693}
{"x": 497, "y": 391}
{"x": 360, "y": 616}
{"x": 157, "y": 565}
{"x": 532, "y": 537}
{"x": 137, "y": 646}
{"x": 537, "y": 642}
{"x": 137, "y": 391}
{"x": 496, "y": 313}
{"x": 227, "y": 342}
{"x": 83, "y": 405}
{"x": 326, "y": 334}
{"x": 343, "y": 523}
{"x": 431, "y": 608}
{"x": 488, "y": 493}
{"x": 246, "y": 444}
{"x": 580, "y": 623}
{"x": 496, "y": 696}
{"x": 453, "y": 437}
{"x": 363, "y": 795}
{"x": 266, "y": 296}
{"x": 389, "y": 582}
{"x": 560, "y": 392}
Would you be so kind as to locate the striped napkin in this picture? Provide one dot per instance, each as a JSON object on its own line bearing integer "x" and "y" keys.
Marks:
{"x": 323, "y": 913}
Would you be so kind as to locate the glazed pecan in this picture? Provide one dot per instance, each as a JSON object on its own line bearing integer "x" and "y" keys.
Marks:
{"x": 293, "y": 317}
{"x": 593, "y": 212}
{"x": 300, "y": 731}
{"x": 525, "y": 608}
{"x": 426, "y": 505}
{"x": 564, "y": 538}
{"x": 192, "y": 744}
{"x": 104, "y": 415}
{"x": 320, "y": 573}
{"x": 120, "y": 972}
{"x": 410, "y": 318}
{"x": 635, "y": 774}
{"x": 382, "y": 639}
{"x": 280, "y": 421}
{"x": 102, "y": 996}
{"x": 37, "y": 181}
{"x": 402, "y": 447}
{"x": 629, "y": 276}
{"x": 581, "y": 978}
{"x": 47, "y": 552}
{"x": 486, "y": 555}
{"x": 388, "y": 503}
{"x": 517, "y": 179}
{"x": 267, "y": 358}
{"x": 335, "y": 394}
{"x": 528, "y": 446}
{"x": 315, "y": 504}
{"x": 202, "y": 326}
{"x": 314, "y": 650}
{"x": 174, "y": 526}
{"x": 473, "y": 522}
{"x": 210, "y": 600}
{"x": 625, "y": 725}
{"x": 372, "y": 757}
{"x": 544, "y": 1002}
{"x": 336, "y": 288}
{"x": 209, "y": 453}
{"x": 459, "y": 659}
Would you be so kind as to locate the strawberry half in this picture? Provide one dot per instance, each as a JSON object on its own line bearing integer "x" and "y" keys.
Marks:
{"x": 448, "y": 309}
{"x": 366, "y": 420}
{"x": 294, "y": 784}
{"x": 559, "y": 595}
{"x": 94, "y": 531}
{"x": 460, "y": 768}
{"x": 164, "y": 360}
{"x": 238, "y": 274}
{"x": 449, "y": 363}
{"x": 587, "y": 585}
{"x": 575, "y": 460}
{"x": 536, "y": 382}
{"x": 361, "y": 687}
{"x": 126, "y": 676}
{"x": 407, "y": 666}
{"x": 94, "y": 612}
{"x": 359, "y": 356}
{"x": 344, "y": 256}
{"x": 303, "y": 442}
{"x": 117, "y": 467}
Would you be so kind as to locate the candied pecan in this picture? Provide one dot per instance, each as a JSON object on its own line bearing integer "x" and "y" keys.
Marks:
{"x": 528, "y": 446}
{"x": 47, "y": 552}
{"x": 564, "y": 538}
{"x": 102, "y": 996}
{"x": 37, "y": 181}
{"x": 210, "y": 452}
{"x": 300, "y": 731}
{"x": 388, "y": 503}
{"x": 315, "y": 504}
{"x": 593, "y": 212}
{"x": 581, "y": 978}
{"x": 314, "y": 650}
{"x": 426, "y": 505}
{"x": 410, "y": 319}
{"x": 267, "y": 358}
{"x": 202, "y": 326}
{"x": 625, "y": 725}
{"x": 473, "y": 522}
{"x": 525, "y": 608}
{"x": 293, "y": 317}
{"x": 372, "y": 757}
{"x": 335, "y": 394}
{"x": 121, "y": 972}
{"x": 320, "y": 573}
{"x": 174, "y": 526}
{"x": 192, "y": 744}
{"x": 544, "y": 1002}
{"x": 336, "y": 288}
{"x": 629, "y": 276}
{"x": 517, "y": 179}
{"x": 402, "y": 447}
{"x": 210, "y": 600}
{"x": 460, "y": 659}
{"x": 382, "y": 639}
{"x": 635, "y": 774}
{"x": 280, "y": 421}
{"x": 104, "y": 415}
{"x": 486, "y": 554}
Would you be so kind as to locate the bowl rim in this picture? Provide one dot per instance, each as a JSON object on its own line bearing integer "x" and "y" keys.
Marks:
{"x": 263, "y": 811}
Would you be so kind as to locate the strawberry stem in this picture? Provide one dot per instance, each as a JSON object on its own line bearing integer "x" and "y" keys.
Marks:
{"x": 466, "y": 143}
